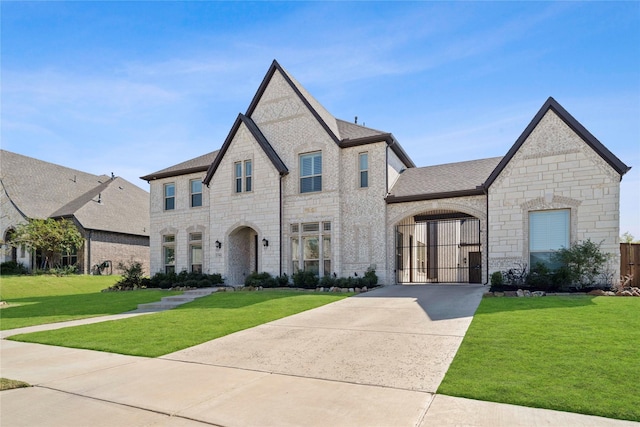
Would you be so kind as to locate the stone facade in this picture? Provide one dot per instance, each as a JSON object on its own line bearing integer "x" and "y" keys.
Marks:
{"x": 553, "y": 169}
{"x": 348, "y": 228}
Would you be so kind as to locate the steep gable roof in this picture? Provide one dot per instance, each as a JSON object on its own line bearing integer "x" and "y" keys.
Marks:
{"x": 341, "y": 133}
{"x": 442, "y": 181}
{"x": 197, "y": 164}
{"x": 569, "y": 120}
{"x": 260, "y": 139}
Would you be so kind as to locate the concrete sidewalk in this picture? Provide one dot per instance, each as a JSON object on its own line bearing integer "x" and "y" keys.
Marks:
{"x": 371, "y": 360}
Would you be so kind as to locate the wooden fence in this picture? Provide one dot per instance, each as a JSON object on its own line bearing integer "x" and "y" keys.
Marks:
{"x": 630, "y": 261}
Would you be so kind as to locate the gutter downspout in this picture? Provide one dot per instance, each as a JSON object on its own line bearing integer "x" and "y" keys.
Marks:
{"x": 88, "y": 262}
{"x": 281, "y": 215}
{"x": 486, "y": 193}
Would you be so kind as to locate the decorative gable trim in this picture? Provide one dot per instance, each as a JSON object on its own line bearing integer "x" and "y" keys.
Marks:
{"x": 569, "y": 120}
{"x": 260, "y": 139}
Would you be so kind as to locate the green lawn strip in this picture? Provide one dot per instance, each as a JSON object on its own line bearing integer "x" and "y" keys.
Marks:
{"x": 575, "y": 354}
{"x": 36, "y": 300}
{"x": 202, "y": 320}
{"x": 7, "y": 384}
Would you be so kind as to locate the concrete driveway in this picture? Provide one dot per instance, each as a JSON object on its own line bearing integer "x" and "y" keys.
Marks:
{"x": 372, "y": 360}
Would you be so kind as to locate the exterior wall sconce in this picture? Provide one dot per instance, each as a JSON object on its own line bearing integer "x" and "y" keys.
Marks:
{"x": 218, "y": 244}
{"x": 265, "y": 242}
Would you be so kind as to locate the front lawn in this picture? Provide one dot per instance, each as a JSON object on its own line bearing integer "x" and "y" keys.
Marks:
{"x": 36, "y": 300}
{"x": 190, "y": 324}
{"x": 575, "y": 354}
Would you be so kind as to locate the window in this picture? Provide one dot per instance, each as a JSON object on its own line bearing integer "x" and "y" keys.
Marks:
{"x": 363, "y": 163}
{"x": 311, "y": 172}
{"x": 239, "y": 176}
{"x": 195, "y": 252}
{"x": 196, "y": 192}
{"x": 548, "y": 232}
{"x": 169, "y": 253}
{"x": 69, "y": 258}
{"x": 247, "y": 175}
{"x": 311, "y": 248}
{"x": 422, "y": 257}
{"x": 169, "y": 197}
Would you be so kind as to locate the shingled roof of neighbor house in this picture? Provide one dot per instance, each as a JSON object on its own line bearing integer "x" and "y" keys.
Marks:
{"x": 442, "y": 181}
{"x": 197, "y": 164}
{"x": 40, "y": 189}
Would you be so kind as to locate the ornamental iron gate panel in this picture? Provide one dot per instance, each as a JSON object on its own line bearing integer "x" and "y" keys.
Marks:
{"x": 439, "y": 247}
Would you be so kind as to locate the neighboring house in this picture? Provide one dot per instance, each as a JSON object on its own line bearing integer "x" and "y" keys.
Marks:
{"x": 111, "y": 213}
{"x": 292, "y": 187}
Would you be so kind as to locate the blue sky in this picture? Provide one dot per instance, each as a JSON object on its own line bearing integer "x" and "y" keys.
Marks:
{"x": 133, "y": 87}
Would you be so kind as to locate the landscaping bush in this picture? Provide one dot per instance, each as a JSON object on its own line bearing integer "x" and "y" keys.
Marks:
{"x": 305, "y": 279}
{"x": 195, "y": 280}
{"x": 497, "y": 279}
{"x": 583, "y": 264}
{"x": 261, "y": 279}
{"x": 328, "y": 281}
{"x": 132, "y": 277}
{"x": 283, "y": 281}
{"x": 370, "y": 278}
{"x": 12, "y": 268}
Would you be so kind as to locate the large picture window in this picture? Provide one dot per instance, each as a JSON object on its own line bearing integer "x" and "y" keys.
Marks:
{"x": 169, "y": 197}
{"x": 196, "y": 192}
{"x": 311, "y": 248}
{"x": 548, "y": 232}
{"x": 311, "y": 172}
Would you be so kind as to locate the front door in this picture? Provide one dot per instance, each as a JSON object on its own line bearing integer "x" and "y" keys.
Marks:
{"x": 475, "y": 267}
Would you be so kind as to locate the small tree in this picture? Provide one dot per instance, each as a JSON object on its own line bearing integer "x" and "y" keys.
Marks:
{"x": 49, "y": 236}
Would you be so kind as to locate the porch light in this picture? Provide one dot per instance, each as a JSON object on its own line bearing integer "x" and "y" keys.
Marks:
{"x": 218, "y": 244}
{"x": 265, "y": 242}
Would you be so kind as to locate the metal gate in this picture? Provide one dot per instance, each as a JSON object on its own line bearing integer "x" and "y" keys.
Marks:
{"x": 439, "y": 247}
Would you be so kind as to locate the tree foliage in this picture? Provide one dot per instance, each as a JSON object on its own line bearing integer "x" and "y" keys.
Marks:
{"x": 582, "y": 264}
{"x": 49, "y": 236}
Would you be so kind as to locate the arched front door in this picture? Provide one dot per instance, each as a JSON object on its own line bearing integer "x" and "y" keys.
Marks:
{"x": 243, "y": 254}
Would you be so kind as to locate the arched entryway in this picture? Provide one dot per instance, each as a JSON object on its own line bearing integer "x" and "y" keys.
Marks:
{"x": 438, "y": 246}
{"x": 243, "y": 254}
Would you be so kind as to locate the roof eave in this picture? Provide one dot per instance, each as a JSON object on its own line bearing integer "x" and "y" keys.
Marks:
{"x": 154, "y": 176}
{"x": 433, "y": 196}
{"x": 385, "y": 137}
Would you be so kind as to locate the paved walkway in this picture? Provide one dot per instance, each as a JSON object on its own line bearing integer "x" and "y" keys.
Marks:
{"x": 371, "y": 360}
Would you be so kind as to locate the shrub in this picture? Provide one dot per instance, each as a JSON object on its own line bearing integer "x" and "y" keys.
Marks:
{"x": 12, "y": 268}
{"x": 583, "y": 264}
{"x": 541, "y": 278}
{"x": 327, "y": 281}
{"x": 260, "y": 279}
{"x": 283, "y": 280}
{"x": 195, "y": 280}
{"x": 131, "y": 277}
{"x": 64, "y": 270}
{"x": 517, "y": 276}
{"x": 370, "y": 279}
{"x": 497, "y": 279}
{"x": 305, "y": 279}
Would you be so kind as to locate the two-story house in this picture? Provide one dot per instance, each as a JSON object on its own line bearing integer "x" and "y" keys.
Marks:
{"x": 292, "y": 187}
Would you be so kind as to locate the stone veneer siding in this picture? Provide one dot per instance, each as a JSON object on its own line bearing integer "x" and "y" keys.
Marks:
{"x": 116, "y": 248}
{"x": 553, "y": 169}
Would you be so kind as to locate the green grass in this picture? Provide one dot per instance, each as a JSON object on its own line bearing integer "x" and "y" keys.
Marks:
{"x": 575, "y": 354}
{"x": 36, "y": 300}
{"x": 190, "y": 324}
{"x": 7, "y": 384}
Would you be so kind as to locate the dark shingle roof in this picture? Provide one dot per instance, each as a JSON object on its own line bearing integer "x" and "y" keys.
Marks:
{"x": 45, "y": 190}
{"x": 197, "y": 164}
{"x": 348, "y": 130}
{"x": 448, "y": 180}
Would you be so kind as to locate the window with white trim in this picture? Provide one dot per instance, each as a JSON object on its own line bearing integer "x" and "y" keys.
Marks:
{"x": 169, "y": 253}
{"x": 169, "y": 196}
{"x": 195, "y": 252}
{"x": 195, "y": 187}
{"x": 548, "y": 232}
{"x": 243, "y": 176}
{"x": 363, "y": 165}
{"x": 311, "y": 172}
{"x": 311, "y": 248}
